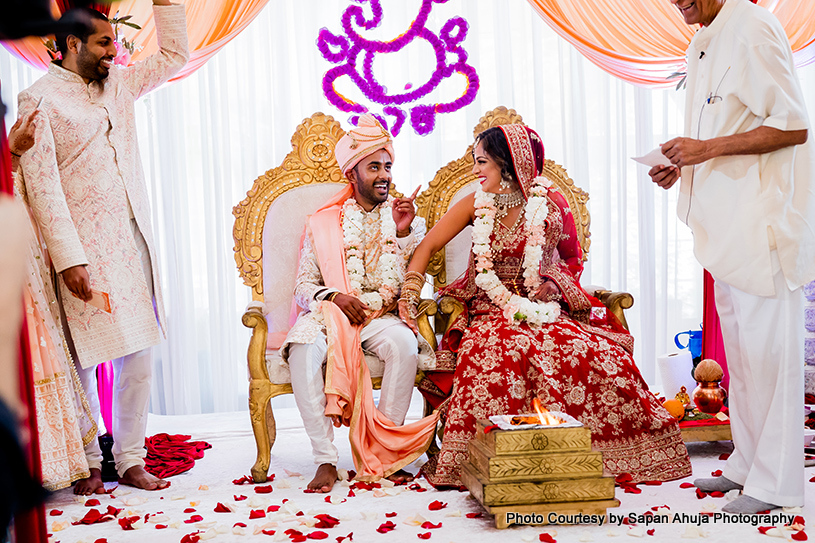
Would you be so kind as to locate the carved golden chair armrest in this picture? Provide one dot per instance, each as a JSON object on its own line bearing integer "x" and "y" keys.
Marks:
{"x": 616, "y": 302}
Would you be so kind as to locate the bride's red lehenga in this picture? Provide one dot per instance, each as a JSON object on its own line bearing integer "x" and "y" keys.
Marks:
{"x": 581, "y": 365}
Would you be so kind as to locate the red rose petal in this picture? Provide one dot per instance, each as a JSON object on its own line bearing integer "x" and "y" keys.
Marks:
{"x": 386, "y": 527}
{"x": 707, "y": 513}
{"x": 263, "y": 489}
{"x": 717, "y": 473}
{"x": 317, "y": 535}
{"x": 295, "y": 535}
{"x": 700, "y": 494}
{"x": 631, "y": 489}
{"x": 474, "y": 515}
{"x": 425, "y": 535}
{"x": 798, "y": 520}
{"x": 101, "y": 540}
{"x": 350, "y": 536}
{"x": 686, "y": 485}
{"x": 765, "y": 529}
{"x": 193, "y": 519}
{"x": 189, "y": 510}
{"x": 326, "y": 521}
{"x": 112, "y": 511}
{"x": 623, "y": 478}
{"x": 161, "y": 526}
{"x": 245, "y": 480}
{"x": 654, "y": 508}
{"x": 390, "y": 515}
{"x": 627, "y": 521}
{"x": 55, "y": 512}
{"x": 238, "y": 498}
{"x": 427, "y": 525}
{"x": 547, "y": 538}
{"x": 812, "y": 480}
{"x": 351, "y": 493}
{"x": 273, "y": 509}
{"x": 92, "y": 517}
{"x": 417, "y": 487}
{"x": 652, "y": 483}
{"x": 191, "y": 538}
{"x": 436, "y": 505}
{"x": 257, "y": 513}
{"x": 267, "y": 532}
{"x": 717, "y": 494}
{"x": 93, "y": 502}
{"x": 650, "y": 532}
{"x": 241, "y": 524}
{"x": 799, "y": 536}
{"x": 221, "y": 508}
{"x": 724, "y": 456}
{"x": 127, "y": 522}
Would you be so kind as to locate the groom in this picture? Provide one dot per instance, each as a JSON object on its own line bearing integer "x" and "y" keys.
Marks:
{"x": 352, "y": 262}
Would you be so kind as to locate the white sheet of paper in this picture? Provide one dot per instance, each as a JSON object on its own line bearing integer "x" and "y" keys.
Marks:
{"x": 654, "y": 158}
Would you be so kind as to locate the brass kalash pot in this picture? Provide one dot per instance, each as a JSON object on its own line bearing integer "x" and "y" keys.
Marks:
{"x": 709, "y": 396}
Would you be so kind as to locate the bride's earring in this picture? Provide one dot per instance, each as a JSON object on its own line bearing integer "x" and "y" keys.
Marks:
{"x": 505, "y": 183}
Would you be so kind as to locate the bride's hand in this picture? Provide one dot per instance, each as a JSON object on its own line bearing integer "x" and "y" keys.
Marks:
{"x": 547, "y": 292}
{"x": 407, "y": 316}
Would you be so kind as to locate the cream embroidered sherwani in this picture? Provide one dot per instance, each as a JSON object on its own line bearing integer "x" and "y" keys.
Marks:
{"x": 309, "y": 286}
{"x": 84, "y": 182}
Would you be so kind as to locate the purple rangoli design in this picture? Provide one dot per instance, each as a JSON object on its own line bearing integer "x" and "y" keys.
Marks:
{"x": 350, "y": 49}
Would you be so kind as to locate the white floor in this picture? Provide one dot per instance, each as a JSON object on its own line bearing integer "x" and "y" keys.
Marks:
{"x": 233, "y": 453}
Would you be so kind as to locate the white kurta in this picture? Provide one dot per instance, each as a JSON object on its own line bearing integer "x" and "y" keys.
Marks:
{"x": 741, "y": 76}
{"x": 84, "y": 176}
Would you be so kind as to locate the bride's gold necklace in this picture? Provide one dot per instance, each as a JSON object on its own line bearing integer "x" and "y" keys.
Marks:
{"x": 505, "y": 202}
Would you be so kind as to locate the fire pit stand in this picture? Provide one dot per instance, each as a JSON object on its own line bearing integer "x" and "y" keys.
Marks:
{"x": 535, "y": 472}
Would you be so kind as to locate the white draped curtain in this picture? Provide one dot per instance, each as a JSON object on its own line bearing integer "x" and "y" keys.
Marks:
{"x": 205, "y": 139}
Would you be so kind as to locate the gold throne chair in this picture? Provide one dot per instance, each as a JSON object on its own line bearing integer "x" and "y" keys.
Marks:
{"x": 269, "y": 224}
{"x": 456, "y": 180}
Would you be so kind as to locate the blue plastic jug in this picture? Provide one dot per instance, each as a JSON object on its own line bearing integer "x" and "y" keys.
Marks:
{"x": 694, "y": 342}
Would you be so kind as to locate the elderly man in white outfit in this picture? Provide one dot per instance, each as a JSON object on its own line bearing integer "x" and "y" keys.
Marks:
{"x": 747, "y": 194}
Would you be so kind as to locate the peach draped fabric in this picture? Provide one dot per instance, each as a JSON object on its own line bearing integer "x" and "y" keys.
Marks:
{"x": 644, "y": 41}
{"x": 378, "y": 446}
{"x": 211, "y": 24}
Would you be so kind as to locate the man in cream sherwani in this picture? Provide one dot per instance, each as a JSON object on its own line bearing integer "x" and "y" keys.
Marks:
{"x": 86, "y": 188}
{"x": 747, "y": 193}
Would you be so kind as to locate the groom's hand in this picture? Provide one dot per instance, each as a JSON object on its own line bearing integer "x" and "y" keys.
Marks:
{"x": 353, "y": 308}
{"x": 403, "y": 213}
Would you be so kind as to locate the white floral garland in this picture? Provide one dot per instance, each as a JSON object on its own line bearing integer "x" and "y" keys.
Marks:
{"x": 388, "y": 273}
{"x": 515, "y": 307}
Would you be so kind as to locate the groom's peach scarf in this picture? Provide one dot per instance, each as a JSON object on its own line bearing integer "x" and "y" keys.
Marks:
{"x": 379, "y": 447}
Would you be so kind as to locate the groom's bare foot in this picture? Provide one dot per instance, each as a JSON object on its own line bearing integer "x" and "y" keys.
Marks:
{"x": 324, "y": 479}
{"x": 137, "y": 476}
{"x": 400, "y": 477}
{"x": 91, "y": 485}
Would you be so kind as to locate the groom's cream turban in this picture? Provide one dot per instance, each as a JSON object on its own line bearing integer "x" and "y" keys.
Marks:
{"x": 368, "y": 136}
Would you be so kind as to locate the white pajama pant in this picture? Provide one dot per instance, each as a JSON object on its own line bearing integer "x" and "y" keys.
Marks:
{"x": 131, "y": 393}
{"x": 764, "y": 343}
{"x": 392, "y": 341}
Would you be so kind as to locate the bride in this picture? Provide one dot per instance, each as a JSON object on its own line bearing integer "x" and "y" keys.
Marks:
{"x": 528, "y": 329}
